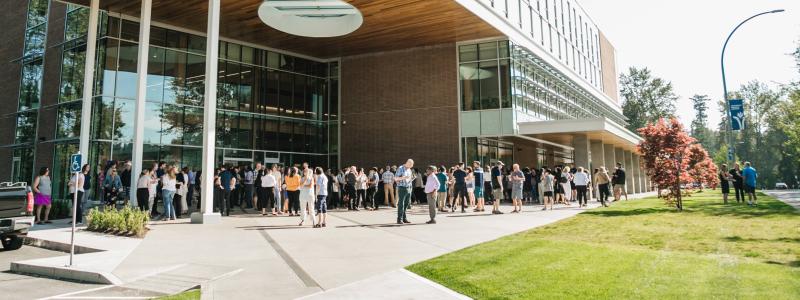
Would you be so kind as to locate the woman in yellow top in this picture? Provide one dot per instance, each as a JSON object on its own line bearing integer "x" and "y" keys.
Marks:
{"x": 292, "y": 189}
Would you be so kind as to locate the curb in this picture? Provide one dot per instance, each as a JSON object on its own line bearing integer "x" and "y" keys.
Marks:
{"x": 57, "y": 246}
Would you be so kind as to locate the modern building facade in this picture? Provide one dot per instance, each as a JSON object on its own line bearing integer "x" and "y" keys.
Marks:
{"x": 527, "y": 81}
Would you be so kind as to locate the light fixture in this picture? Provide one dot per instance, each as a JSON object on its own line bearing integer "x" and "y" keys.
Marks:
{"x": 311, "y": 18}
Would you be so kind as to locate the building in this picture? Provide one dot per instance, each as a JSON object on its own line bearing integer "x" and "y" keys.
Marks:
{"x": 528, "y": 81}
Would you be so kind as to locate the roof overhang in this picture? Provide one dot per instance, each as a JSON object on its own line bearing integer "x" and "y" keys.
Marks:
{"x": 387, "y": 24}
{"x": 596, "y": 129}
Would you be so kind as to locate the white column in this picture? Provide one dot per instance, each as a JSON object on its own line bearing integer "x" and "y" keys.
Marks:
{"x": 629, "y": 169}
{"x": 609, "y": 157}
{"x": 581, "y": 144}
{"x": 141, "y": 92}
{"x": 88, "y": 80}
{"x": 598, "y": 160}
{"x": 637, "y": 173}
{"x": 210, "y": 118}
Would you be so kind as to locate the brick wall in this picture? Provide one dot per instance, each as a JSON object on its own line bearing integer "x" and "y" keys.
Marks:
{"x": 12, "y": 36}
{"x": 398, "y": 105}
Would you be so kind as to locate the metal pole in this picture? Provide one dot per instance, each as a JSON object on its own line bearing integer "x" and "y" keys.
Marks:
{"x": 74, "y": 218}
{"x": 731, "y": 146}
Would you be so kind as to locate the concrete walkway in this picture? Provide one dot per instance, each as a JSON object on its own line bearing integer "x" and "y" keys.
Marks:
{"x": 791, "y": 197}
{"x": 359, "y": 255}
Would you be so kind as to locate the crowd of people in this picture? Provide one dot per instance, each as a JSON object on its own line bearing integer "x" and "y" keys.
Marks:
{"x": 307, "y": 193}
{"x": 743, "y": 181}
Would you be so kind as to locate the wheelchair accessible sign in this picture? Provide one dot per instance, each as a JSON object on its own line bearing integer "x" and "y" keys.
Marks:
{"x": 75, "y": 163}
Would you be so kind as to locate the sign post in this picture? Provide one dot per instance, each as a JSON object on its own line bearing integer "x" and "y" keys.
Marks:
{"x": 75, "y": 169}
{"x": 737, "y": 114}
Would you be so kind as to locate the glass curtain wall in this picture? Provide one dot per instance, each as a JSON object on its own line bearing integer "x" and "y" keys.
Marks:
{"x": 30, "y": 90}
{"x": 271, "y": 107}
{"x": 488, "y": 150}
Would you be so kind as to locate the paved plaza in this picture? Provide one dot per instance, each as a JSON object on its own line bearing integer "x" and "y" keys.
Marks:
{"x": 358, "y": 255}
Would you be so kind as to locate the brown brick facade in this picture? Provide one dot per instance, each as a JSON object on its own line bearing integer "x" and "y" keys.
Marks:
{"x": 398, "y": 105}
{"x": 12, "y": 37}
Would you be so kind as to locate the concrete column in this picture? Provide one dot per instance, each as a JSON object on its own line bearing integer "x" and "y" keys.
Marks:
{"x": 550, "y": 158}
{"x": 619, "y": 157}
{"x": 598, "y": 157}
{"x": 637, "y": 174}
{"x": 581, "y": 145}
{"x": 207, "y": 216}
{"x": 629, "y": 172}
{"x": 609, "y": 157}
{"x": 141, "y": 93}
{"x": 88, "y": 81}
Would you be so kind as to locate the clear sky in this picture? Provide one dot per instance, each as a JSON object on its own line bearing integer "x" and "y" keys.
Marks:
{"x": 681, "y": 41}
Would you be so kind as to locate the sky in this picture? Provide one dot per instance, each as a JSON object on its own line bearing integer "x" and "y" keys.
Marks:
{"x": 681, "y": 41}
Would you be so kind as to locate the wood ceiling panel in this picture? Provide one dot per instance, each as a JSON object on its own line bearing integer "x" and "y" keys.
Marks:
{"x": 388, "y": 24}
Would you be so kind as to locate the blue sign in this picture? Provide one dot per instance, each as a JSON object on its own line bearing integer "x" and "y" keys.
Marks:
{"x": 737, "y": 114}
{"x": 75, "y": 163}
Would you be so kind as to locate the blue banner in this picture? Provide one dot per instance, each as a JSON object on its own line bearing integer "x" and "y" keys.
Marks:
{"x": 737, "y": 114}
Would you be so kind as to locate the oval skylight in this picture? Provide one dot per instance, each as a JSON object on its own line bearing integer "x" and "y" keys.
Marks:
{"x": 311, "y": 18}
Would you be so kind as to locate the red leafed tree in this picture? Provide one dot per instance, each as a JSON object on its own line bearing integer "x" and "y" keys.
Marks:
{"x": 701, "y": 168}
{"x": 664, "y": 150}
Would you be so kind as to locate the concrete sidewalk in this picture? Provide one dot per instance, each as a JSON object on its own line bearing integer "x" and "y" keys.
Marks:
{"x": 359, "y": 255}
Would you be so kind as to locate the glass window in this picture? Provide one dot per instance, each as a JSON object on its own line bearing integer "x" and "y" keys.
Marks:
{"x": 155, "y": 74}
{"x": 102, "y": 118}
{"x": 26, "y": 127}
{"x": 489, "y": 88}
{"x": 77, "y": 24}
{"x": 193, "y": 126}
{"x": 72, "y": 71}
{"x": 334, "y": 98}
{"x": 124, "y": 110}
{"x": 37, "y": 12}
{"x": 299, "y": 96}
{"x": 129, "y": 31}
{"x": 126, "y": 75}
{"x": 152, "y": 123}
{"x": 470, "y": 86}
{"x": 246, "y": 84}
{"x": 22, "y": 165}
{"x": 108, "y": 51}
{"x": 174, "y": 76}
{"x": 30, "y": 86}
{"x": 196, "y": 44}
{"x": 68, "y": 124}
{"x": 194, "y": 90}
{"x": 487, "y": 50}
{"x": 172, "y": 124}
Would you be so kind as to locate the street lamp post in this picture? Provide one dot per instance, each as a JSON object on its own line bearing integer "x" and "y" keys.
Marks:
{"x": 731, "y": 158}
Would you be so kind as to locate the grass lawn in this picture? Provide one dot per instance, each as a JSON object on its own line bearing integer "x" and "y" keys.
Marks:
{"x": 638, "y": 249}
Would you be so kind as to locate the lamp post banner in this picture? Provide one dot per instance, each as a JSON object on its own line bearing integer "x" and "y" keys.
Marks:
{"x": 737, "y": 114}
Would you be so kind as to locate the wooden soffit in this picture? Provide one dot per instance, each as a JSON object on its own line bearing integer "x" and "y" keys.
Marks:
{"x": 388, "y": 24}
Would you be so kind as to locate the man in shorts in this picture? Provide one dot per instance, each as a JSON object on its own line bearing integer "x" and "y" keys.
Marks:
{"x": 497, "y": 187}
{"x": 548, "y": 180}
{"x": 478, "y": 173}
{"x": 750, "y": 175}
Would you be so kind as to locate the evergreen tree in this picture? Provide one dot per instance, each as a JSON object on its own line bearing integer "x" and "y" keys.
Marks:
{"x": 645, "y": 98}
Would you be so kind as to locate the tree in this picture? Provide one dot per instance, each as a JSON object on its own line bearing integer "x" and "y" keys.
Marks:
{"x": 645, "y": 98}
{"x": 666, "y": 160}
{"x": 701, "y": 168}
{"x": 699, "y": 127}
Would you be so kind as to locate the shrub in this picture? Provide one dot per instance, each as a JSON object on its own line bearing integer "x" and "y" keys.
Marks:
{"x": 127, "y": 221}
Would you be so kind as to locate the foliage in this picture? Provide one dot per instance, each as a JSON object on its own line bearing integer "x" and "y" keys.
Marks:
{"x": 709, "y": 251}
{"x": 699, "y": 128}
{"x": 126, "y": 221}
{"x": 187, "y": 295}
{"x": 701, "y": 168}
{"x": 664, "y": 152}
{"x": 645, "y": 98}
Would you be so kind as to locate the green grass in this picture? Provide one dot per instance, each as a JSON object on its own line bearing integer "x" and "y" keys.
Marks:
{"x": 187, "y": 295}
{"x": 638, "y": 249}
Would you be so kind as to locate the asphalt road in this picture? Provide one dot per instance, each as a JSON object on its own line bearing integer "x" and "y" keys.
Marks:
{"x": 15, "y": 286}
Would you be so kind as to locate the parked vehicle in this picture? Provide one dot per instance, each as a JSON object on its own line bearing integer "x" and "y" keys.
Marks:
{"x": 781, "y": 186}
{"x": 16, "y": 213}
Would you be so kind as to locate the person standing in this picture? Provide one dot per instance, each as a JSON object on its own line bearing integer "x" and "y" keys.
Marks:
{"x": 372, "y": 187}
{"x": 143, "y": 189}
{"x": 350, "y": 179}
{"x": 431, "y": 191}
{"x": 249, "y": 186}
{"x": 470, "y": 187}
{"x": 307, "y": 197}
{"x": 228, "y": 182}
{"x": 293, "y": 191}
{"x": 76, "y": 189}
{"x": 258, "y": 190}
{"x": 479, "y": 186}
{"x": 321, "y": 189}
{"x": 169, "y": 182}
{"x": 152, "y": 189}
{"x": 361, "y": 188}
{"x": 335, "y": 195}
{"x": 266, "y": 197}
{"x": 750, "y": 175}
{"x": 497, "y": 187}
{"x": 42, "y": 189}
{"x": 581, "y": 181}
{"x": 548, "y": 181}
{"x": 618, "y": 180}
{"x": 724, "y": 180}
{"x": 603, "y": 180}
{"x": 125, "y": 177}
{"x": 441, "y": 196}
{"x": 190, "y": 186}
{"x": 738, "y": 182}
{"x": 527, "y": 187}
{"x": 113, "y": 186}
{"x": 404, "y": 179}
{"x": 517, "y": 180}
{"x": 566, "y": 184}
{"x": 459, "y": 188}
{"x": 388, "y": 188}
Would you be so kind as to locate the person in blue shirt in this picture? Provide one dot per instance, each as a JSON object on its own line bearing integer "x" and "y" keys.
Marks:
{"x": 441, "y": 196}
{"x": 227, "y": 181}
{"x": 479, "y": 185}
{"x": 404, "y": 178}
{"x": 750, "y": 175}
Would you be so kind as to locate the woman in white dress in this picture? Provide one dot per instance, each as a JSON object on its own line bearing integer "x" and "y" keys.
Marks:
{"x": 182, "y": 191}
{"x": 307, "y": 196}
{"x": 566, "y": 184}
